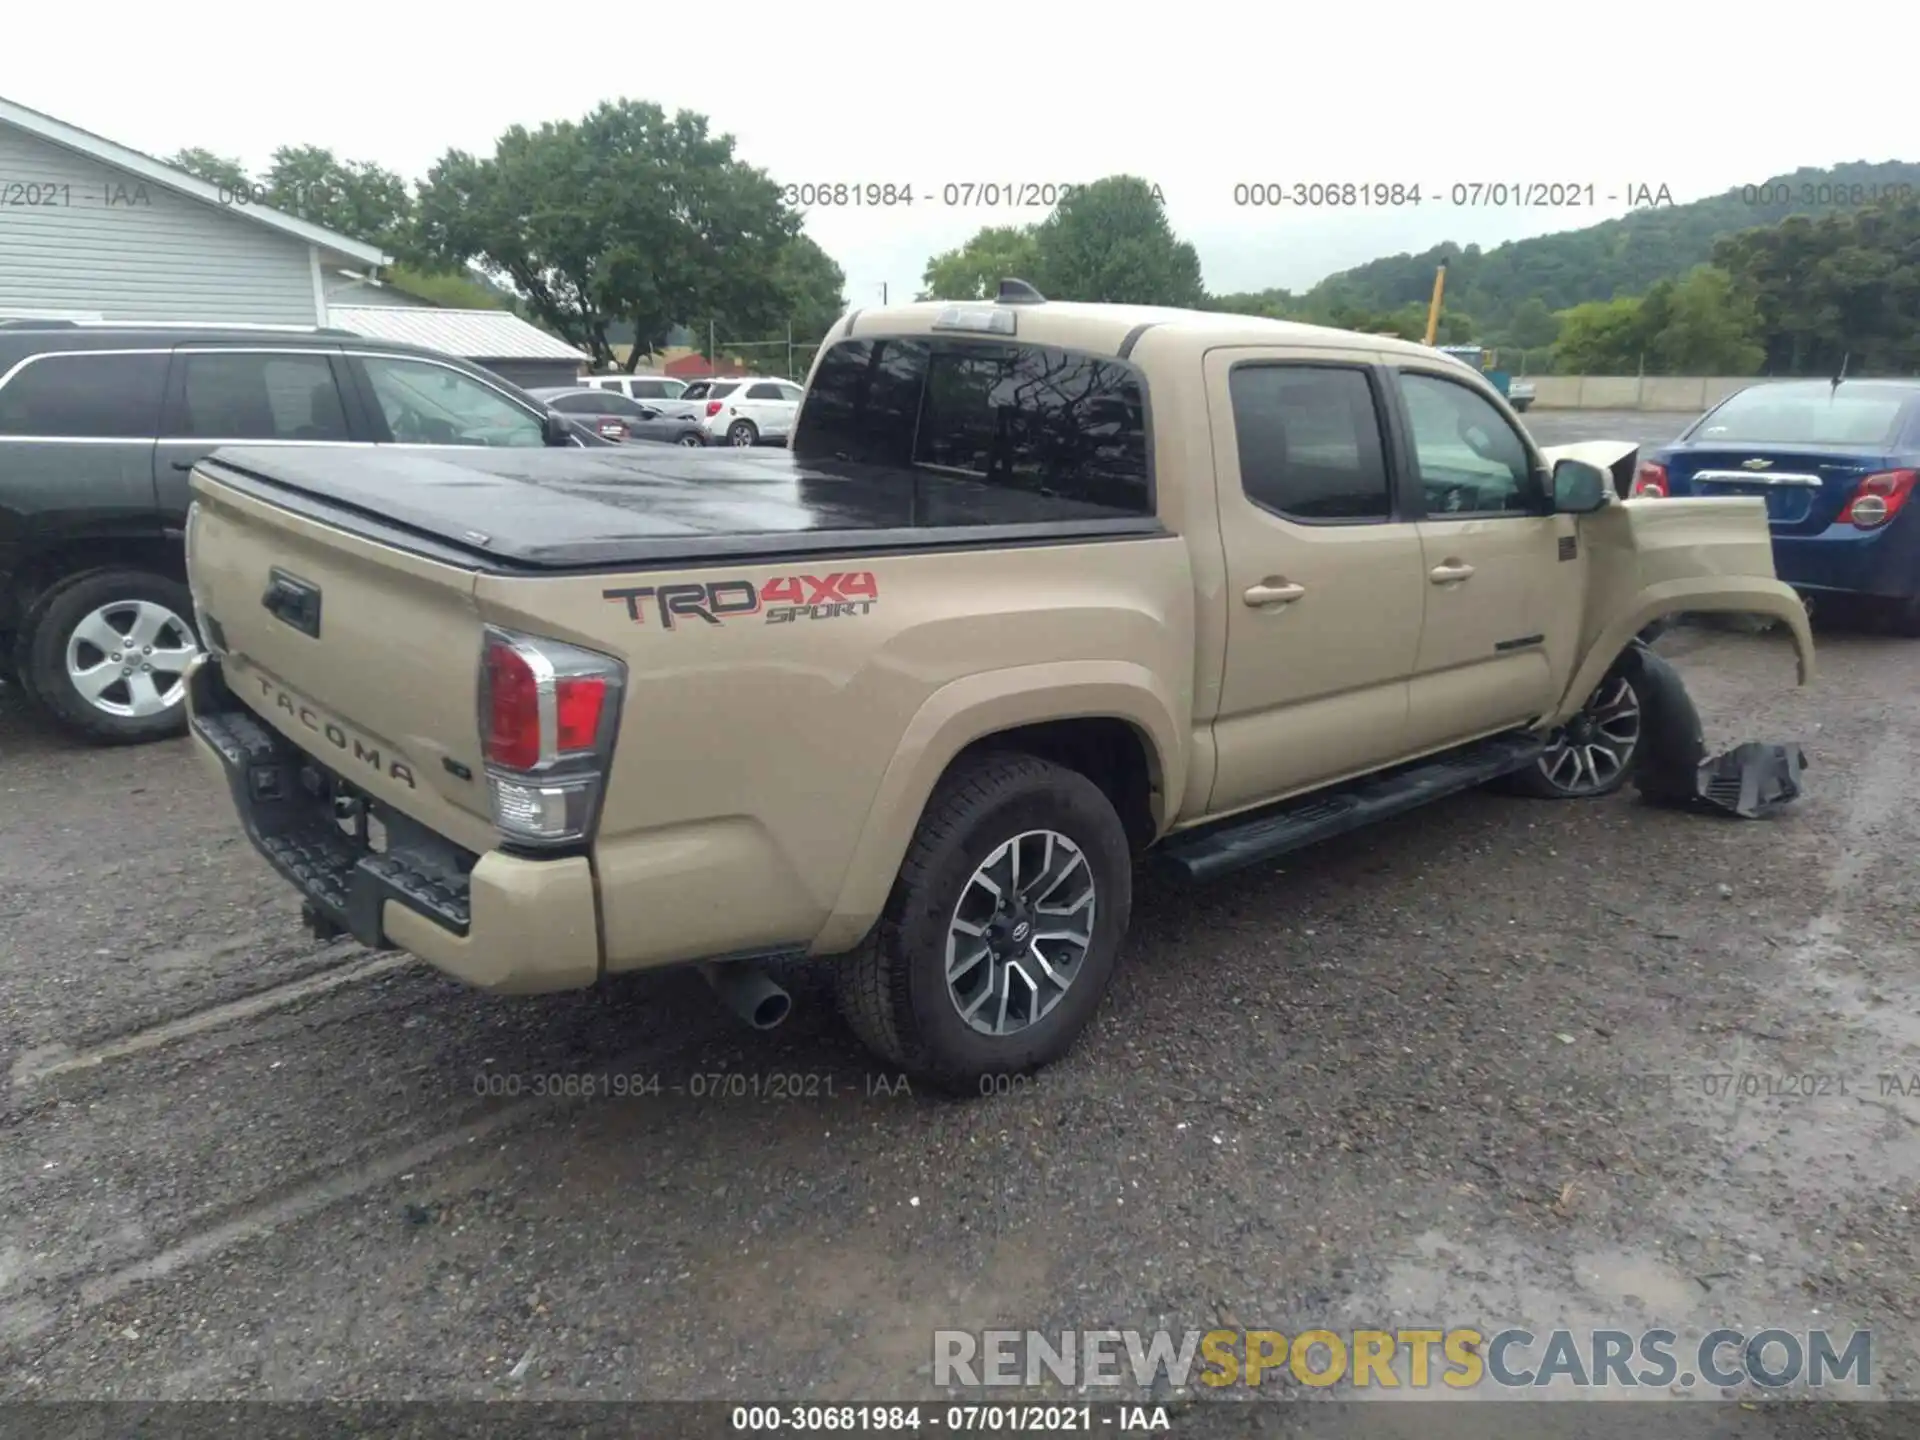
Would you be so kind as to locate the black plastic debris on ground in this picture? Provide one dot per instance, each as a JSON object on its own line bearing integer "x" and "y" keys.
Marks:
{"x": 1753, "y": 780}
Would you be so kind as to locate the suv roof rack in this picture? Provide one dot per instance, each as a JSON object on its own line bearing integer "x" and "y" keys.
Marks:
{"x": 30, "y": 322}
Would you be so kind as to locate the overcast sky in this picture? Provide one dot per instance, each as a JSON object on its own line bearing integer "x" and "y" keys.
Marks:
{"x": 1195, "y": 99}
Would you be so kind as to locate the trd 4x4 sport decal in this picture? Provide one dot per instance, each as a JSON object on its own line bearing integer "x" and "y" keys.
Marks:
{"x": 783, "y": 599}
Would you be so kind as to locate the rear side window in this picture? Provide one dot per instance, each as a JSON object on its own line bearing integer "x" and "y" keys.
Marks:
{"x": 764, "y": 392}
{"x": 252, "y": 396}
{"x": 652, "y": 389}
{"x": 695, "y": 391}
{"x": 1032, "y": 418}
{"x": 582, "y": 404}
{"x": 1309, "y": 442}
{"x": 90, "y": 397}
{"x": 719, "y": 391}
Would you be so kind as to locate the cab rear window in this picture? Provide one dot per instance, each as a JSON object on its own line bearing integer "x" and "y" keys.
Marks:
{"x": 1819, "y": 414}
{"x": 1030, "y": 418}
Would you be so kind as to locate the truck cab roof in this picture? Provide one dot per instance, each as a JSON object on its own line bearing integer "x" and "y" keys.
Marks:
{"x": 1104, "y": 329}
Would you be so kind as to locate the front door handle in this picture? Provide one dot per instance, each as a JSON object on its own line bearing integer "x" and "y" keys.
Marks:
{"x": 1284, "y": 593}
{"x": 1449, "y": 573}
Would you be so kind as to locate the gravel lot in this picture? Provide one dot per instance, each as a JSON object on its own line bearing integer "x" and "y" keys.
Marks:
{"x": 1400, "y": 1079}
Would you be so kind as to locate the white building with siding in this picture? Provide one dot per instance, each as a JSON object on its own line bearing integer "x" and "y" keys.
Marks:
{"x": 92, "y": 230}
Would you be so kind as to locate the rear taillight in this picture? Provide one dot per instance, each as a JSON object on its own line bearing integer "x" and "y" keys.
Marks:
{"x": 1650, "y": 479}
{"x": 548, "y": 712}
{"x": 1878, "y": 498}
{"x": 714, "y": 407}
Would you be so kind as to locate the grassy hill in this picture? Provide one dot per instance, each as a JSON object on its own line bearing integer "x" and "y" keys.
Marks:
{"x": 1614, "y": 258}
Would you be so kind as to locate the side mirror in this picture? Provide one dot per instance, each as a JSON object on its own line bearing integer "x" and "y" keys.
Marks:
{"x": 1579, "y": 488}
{"x": 556, "y": 428}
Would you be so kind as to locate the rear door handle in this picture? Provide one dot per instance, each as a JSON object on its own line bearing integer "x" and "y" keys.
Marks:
{"x": 1284, "y": 593}
{"x": 1447, "y": 574}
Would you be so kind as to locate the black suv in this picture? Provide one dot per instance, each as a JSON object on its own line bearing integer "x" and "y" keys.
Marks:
{"x": 99, "y": 425}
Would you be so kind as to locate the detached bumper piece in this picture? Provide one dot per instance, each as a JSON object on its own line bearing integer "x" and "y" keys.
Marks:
{"x": 1753, "y": 780}
{"x": 293, "y": 809}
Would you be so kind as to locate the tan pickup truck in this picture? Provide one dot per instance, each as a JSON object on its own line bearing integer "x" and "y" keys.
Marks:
{"x": 1037, "y": 587}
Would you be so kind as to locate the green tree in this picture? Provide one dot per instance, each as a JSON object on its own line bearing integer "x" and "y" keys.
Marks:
{"x": 460, "y": 292}
{"x": 1110, "y": 241}
{"x": 354, "y": 197}
{"x": 974, "y": 270}
{"x": 1532, "y": 326}
{"x": 627, "y": 214}
{"x": 815, "y": 288}
{"x": 230, "y": 175}
{"x": 1705, "y": 328}
{"x": 1601, "y": 337}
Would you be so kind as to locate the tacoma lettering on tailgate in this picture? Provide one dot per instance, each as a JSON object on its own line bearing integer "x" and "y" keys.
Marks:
{"x": 335, "y": 736}
{"x": 783, "y": 599}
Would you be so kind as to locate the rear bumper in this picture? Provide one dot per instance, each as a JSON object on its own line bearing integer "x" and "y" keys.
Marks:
{"x": 1842, "y": 560}
{"x": 501, "y": 922}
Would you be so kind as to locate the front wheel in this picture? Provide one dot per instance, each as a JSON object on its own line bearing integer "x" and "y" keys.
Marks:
{"x": 1003, "y": 930}
{"x": 107, "y": 655}
{"x": 1594, "y": 753}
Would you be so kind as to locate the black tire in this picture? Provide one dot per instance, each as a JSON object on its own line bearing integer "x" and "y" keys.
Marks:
{"x": 43, "y": 654}
{"x": 743, "y": 433}
{"x": 894, "y": 990}
{"x": 1561, "y": 774}
{"x": 1673, "y": 741}
{"x": 691, "y": 438}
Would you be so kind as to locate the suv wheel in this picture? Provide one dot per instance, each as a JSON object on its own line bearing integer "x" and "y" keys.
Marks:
{"x": 1003, "y": 930}
{"x": 106, "y": 654}
{"x": 1595, "y": 752}
{"x": 743, "y": 433}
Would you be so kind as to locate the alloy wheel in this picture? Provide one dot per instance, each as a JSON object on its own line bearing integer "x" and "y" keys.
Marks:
{"x": 1021, "y": 930}
{"x": 1594, "y": 749}
{"x": 129, "y": 658}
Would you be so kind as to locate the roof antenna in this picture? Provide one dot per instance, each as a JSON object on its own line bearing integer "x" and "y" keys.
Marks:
{"x": 1844, "y": 358}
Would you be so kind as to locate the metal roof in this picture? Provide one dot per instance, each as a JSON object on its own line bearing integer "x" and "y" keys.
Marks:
{"x": 470, "y": 334}
{"x": 119, "y": 157}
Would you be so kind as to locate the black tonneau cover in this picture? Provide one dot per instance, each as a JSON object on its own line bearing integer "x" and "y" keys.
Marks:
{"x": 639, "y": 504}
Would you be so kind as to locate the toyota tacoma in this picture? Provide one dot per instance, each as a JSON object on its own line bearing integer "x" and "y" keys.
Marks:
{"x": 1035, "y": 590}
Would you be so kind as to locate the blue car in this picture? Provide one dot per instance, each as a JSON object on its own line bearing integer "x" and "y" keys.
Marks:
{"x": 1837, "y": 462}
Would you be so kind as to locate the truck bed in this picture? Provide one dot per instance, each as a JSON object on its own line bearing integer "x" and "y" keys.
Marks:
{"x": 630, "y": 507}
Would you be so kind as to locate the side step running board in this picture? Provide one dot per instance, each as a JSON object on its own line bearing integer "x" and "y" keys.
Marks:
{"x": 1210, "y": 850}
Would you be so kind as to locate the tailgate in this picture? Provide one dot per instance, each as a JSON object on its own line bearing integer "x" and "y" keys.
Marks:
{"x": 365, "y": 656}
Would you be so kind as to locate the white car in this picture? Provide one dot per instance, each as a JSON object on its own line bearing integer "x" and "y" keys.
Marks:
{"x": 742, "y": 409}
{"x": 636, "y": 387}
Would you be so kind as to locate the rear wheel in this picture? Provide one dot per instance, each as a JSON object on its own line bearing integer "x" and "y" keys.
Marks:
{"x": 106, "y": 655}
{"x": 691, "y": 439}
{"x": 1003, "y": 929}
{"x": 743, "y": 433}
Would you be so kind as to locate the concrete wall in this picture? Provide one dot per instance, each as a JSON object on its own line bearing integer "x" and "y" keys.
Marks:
{"x": 1689, "y": 394}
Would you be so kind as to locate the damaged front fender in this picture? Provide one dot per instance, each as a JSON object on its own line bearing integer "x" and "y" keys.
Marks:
{"x": 1658, "y": 557}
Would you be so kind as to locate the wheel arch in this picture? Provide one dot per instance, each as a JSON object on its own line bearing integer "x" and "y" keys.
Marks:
{"x": 1113, "y": 721}
{"x": 1707, "y": 593}
{"x": 71, "y": 558}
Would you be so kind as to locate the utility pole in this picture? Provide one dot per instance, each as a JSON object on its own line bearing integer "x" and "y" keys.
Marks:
{"x": 713, "y": 355}
{"x": 789, "y": 349}
{"x": 883, "y": 292}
